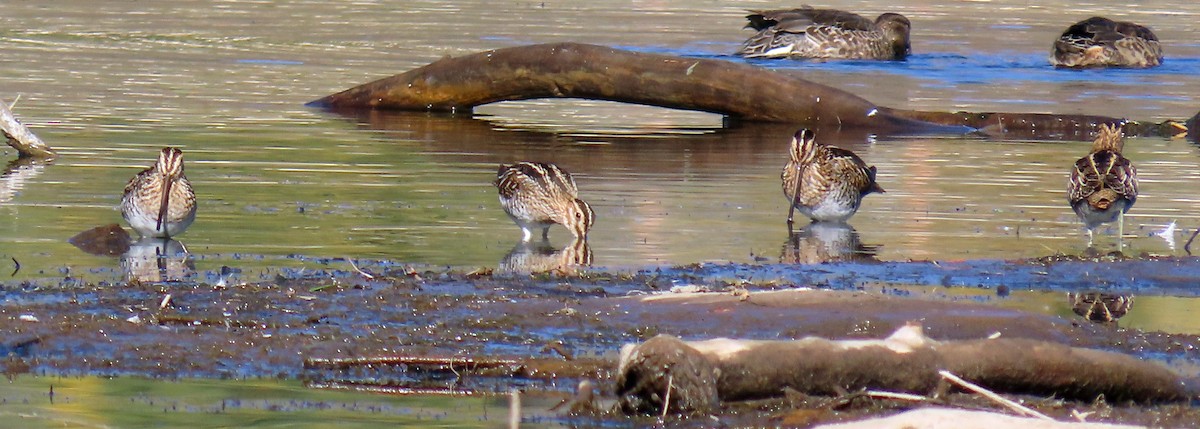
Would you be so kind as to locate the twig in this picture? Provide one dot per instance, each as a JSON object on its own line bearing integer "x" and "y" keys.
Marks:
{"x": 360, "y": 272}
{"x": 667, "y": 397}
{"x": 1188, "y": 247}
{"x": 165, "y": 302}
{"x": 1021, "y": 409}
{"x": 896, "y": 395}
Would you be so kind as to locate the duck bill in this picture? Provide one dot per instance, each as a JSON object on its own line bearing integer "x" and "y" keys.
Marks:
{"x": 164, "y": 205}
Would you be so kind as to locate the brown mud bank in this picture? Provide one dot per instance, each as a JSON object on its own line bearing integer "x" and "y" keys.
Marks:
{"x": 398, "y": 328}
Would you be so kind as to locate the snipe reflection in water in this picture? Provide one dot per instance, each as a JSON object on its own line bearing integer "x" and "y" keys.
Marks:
{"x": 534, "y": 257}
{"x": 1100, "y": 307}
{"x": 820, "y": 242}
{"x": 156, "y": 260}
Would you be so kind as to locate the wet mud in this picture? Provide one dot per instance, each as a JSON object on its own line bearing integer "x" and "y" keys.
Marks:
{"x": 382, "y": 326}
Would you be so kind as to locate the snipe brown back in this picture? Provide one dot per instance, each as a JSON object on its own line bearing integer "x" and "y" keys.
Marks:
{"x": 1103, "y": 184}
{"x": 537, "y": 195}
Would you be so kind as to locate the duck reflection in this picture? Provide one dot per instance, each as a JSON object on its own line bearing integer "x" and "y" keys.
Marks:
{"x": 155, "y": 260}
{"x": 533, "y": 257}
{"x": 820, "y": 242}
{"x": 1100, "y": 307}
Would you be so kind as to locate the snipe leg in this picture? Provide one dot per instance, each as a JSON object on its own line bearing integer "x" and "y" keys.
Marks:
{"x": 1120, "y": 230}
{"x": 791, "y": 211}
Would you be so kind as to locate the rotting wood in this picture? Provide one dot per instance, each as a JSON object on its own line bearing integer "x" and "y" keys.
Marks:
{"x": 702, "y": 373}
{"x": 19, "y": 137}
{"x": 740, "y": 91}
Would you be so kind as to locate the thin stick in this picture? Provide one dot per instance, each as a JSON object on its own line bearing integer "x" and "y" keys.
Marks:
{"x": 1188, "y": 247}
{"x": 1021, "y": 409}
{"x": 361, "y": 272}
{"x": 896, "y": 395}
{"x": 667, "y": 397}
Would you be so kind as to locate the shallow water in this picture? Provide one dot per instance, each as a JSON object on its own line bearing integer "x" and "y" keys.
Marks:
{"x": 50, "y": 402}
{"x": 226, "y": 82}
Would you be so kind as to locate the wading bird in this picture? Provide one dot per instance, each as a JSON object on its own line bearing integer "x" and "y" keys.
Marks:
{"x": 159, "y": 201}
{"x": 825, "y": 183}
{"x": 537, "y": 195}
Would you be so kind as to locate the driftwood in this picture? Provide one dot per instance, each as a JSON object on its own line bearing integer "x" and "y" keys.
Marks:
{"x": 667, "y": 373}
{"x": 740, "y": 91}
{"x": 931, "y": 418}
{"x": 19, "y": 137}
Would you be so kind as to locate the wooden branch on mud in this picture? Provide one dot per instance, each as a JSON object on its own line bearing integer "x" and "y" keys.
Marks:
{"x": 740, "y": 91}
{"x": 19, "y": 137}
{"x": 702, "y": 373}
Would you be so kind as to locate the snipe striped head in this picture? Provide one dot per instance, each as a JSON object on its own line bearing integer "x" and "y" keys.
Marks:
{"x": 159, "y": 201}
{"x": 537, "y": 195}
{"x": 825, "y": 183}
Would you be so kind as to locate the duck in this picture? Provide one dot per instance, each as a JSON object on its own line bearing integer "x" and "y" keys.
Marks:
{"x": 826, "y": 34}
{"x": 1101, "y": 42}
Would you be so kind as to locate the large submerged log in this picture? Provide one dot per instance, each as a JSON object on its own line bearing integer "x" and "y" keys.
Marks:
{"x": 574, "y": 70}
{"x": 740, "y": 91}
{"x": 666, "y": 372}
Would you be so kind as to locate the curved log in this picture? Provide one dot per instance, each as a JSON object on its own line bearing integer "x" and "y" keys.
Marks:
{"x": 740, "y": 91}
{"x": 574, "y": 70}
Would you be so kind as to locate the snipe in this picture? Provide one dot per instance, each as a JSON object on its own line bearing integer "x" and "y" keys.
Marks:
{"x": 826, "y": 33}
{"x": 537, "y": 195}
{"x": 1104, "y": 184}
{"x": 1102, "y": 42}
{"x": 159, "y": 201}
{"x": 825, "y": 183}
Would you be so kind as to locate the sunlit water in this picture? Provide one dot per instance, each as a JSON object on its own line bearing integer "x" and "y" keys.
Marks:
{"x": 227, "y": 82}
{"x": 56, "y": 402}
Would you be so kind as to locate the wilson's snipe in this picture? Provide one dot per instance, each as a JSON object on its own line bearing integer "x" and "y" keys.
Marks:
{"x": 826, "y": 33}
{"x": 159, "y": 201}
{"x": 825, "y": 183}
{"x": 1103, "y": 184}
{"x": 537, "y": 195}
{"x": 1102, "y": 42}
